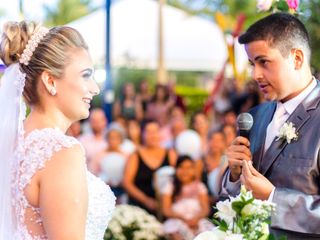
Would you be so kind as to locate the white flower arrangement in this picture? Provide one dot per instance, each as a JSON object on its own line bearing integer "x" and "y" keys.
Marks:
{"x": 134, "y": 223}
{"x": 241, "y": 218}
{"x": 287, "y": 132}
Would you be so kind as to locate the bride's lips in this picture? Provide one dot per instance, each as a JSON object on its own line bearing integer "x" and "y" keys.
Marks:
{"x": 87, "y": 100}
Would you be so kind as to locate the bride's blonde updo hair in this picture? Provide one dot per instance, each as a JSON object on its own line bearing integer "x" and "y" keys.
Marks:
{"x": 51, "y": 54}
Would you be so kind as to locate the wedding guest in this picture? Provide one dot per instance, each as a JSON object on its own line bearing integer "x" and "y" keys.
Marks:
{"x": 94, "y": 142}
{"x": 75, "y": 129}
{"x": 134, "y": 132}
{"x": 109, "y": 164}
{"x": 215, "y": 163}
{"x": 159, "y": 107}
{"x": 185, "y": 203}
{"x": 144, "y": 94}
{"x": 129, "y": 106}
{"x": 177, "y": 111}
{"x": 178, "y": 100}
{"x": 229, "y": 117}
{"x": 230, "y": 133}
{"x": 200, "y": 123}
{"x": 141, "y": 166}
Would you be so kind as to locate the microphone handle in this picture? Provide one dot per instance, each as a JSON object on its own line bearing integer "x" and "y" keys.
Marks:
{"x": 244, "y": 133}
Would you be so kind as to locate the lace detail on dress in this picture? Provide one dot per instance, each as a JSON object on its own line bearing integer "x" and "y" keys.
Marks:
{"x": 101, "y": 205}
{"x": 32, "y": 154}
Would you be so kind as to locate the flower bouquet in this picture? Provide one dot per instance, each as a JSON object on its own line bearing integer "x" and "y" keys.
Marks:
{"x": 133, "y": 223}
{"x": 241, "y": 218}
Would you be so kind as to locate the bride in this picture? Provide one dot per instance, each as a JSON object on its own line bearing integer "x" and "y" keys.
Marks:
{"x": 46, "y": 190}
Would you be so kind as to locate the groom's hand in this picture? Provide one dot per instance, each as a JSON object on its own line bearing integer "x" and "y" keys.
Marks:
{"x": 254, "y": 181}
{"x": 238, "y": 152}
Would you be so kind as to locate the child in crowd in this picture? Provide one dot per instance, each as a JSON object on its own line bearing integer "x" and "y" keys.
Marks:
{"x": 109, "y": 164}
{"x": 185, "y": 203}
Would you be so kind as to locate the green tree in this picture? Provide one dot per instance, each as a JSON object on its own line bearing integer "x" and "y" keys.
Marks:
{"x": 66, "y": 11}
{"x": 309, "y": 14}
{"x": 311, "y": 17}
{"x": 230, "y": 8}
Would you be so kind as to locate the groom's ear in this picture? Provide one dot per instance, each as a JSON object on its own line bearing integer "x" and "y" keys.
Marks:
{"x": 48, "y": 80}
{"x": 298, "y": 58}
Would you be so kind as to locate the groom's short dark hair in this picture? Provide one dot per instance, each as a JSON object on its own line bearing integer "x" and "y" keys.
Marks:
{"x": 282, "y": 31}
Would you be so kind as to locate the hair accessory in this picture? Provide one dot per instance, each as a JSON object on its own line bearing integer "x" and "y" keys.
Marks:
{"x": 32, "y": 44}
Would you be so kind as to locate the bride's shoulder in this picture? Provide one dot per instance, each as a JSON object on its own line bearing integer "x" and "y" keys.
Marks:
{"x": 49, "y": 136}
{"x": 52, "y": 151}
{"x": 47, "y": 142}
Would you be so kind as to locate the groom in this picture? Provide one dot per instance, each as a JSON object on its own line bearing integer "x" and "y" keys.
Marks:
{"x": 283, "y": 169}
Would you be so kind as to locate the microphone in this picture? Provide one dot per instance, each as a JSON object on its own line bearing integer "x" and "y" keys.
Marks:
{"x": 244, "y": 122}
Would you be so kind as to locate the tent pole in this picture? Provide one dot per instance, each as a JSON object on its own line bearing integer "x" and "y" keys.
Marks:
{"x": 108, "y": 93}
{"x": 161, "y": 73}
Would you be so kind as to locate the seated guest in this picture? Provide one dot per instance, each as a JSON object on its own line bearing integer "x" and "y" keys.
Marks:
{"x": 214, "y": 164}
{"x": 200, "y": 123}
{"x": 159, "y": 107}
{"x": 129, "y": 106}
{"x": 134, "y": 132}
{"x": 141, "y": 166}
{"x": 94, "y": 142}
{"x": 109, "y": 164}
{"x": 230, "y": 133}
{"x": 185, "y": 203}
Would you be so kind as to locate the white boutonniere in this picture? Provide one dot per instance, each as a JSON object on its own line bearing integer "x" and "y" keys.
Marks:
{"x": 287, "y": 132}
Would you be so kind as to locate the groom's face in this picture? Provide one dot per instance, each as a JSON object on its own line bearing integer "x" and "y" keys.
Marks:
{"x": 270, "y": 69}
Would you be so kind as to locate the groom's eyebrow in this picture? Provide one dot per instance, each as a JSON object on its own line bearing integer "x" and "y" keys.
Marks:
{"x": 257, "y": 58}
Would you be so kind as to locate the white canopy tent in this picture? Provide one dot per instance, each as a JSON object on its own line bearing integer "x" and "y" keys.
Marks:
{"x": 190, "y": 42}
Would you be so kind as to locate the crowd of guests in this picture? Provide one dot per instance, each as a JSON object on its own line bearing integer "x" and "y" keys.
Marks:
{"x": 128, "y": 152}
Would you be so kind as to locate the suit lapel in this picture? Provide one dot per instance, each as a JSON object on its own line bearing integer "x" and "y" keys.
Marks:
{"x": 262, "y": 120}
{"x": 299, "y": 117}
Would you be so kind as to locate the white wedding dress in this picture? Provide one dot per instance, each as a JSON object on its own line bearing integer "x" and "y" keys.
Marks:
{"x": 32, "y": 154}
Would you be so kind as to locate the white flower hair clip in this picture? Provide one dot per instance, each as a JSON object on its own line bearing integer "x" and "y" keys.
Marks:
{"x": 32, "y": 44}
{"x": 287, "y": 132}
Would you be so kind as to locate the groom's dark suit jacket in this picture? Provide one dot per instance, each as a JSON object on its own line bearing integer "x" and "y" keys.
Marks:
{"x": 292, "y": 168}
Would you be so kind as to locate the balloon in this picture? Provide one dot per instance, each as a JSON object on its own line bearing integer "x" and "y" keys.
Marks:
{"x": 189, "y": 143}
{"x": 128, "y": 147}
{"x": 112, "y": 167}
{"x": 163, "y": 176}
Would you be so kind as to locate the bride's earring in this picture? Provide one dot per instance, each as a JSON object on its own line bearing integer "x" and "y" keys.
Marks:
{"x": 53, "y": 91}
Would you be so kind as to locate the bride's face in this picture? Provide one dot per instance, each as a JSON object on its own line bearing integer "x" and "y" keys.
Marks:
{"x": 77, "y": 87}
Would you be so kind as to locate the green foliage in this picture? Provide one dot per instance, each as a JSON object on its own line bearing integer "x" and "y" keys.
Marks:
{"x": 67, "y": 11}
{"x": 231, "y": 8}
{"x": 282, "y": 6}
{"x": 237, "y": 206}
{"x": 128, "y": 232}
{"x": 186, "y": 78}
{"x": 309, "y": 14}
{"x": 186, "y": 84}
{"x": 311, "y": 17}
{"x": 135, "y": 76}
{"x": 194, "y": 97}
{"x": 244, "y": 215}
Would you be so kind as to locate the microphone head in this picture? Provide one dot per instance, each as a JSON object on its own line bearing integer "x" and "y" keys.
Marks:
{"x": 245, "y": 121}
